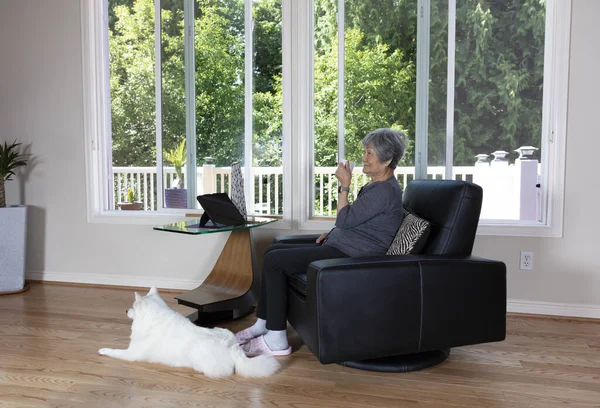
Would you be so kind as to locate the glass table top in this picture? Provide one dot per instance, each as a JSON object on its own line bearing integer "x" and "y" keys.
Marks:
{"x": 193, "y": 226}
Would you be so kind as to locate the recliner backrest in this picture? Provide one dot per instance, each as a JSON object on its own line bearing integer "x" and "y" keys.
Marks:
{"x": 452, "y": 207}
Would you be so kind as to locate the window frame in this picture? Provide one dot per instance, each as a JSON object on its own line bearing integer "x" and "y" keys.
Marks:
{"x": 554, "y": 119}
{"x": 97, "y": 124}
{"x": 298, "y": 123}
{"x": 554, "y": 131}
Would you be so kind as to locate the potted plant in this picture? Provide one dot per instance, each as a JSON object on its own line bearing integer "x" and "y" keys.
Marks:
{"x": 10, "y": 160}
{"x": 132, "y": 204}
{"x": 13, "y": 224}
{"x": 176, "y": 197}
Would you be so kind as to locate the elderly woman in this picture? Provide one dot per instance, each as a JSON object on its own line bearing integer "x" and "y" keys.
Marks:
{"x": 367, "y": 227}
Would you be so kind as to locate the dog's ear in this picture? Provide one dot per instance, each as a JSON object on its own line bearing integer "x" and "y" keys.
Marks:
{"x": 137, "y": 296}
{"x": 152, "y": 290}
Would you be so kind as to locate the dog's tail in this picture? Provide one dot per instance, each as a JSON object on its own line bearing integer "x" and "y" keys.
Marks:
{"x": 261, "y": 366}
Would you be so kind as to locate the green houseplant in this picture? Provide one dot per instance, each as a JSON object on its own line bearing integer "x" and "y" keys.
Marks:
{"x": 10, "y": 160}
{"x": 176, "y": 197}
{"x": 13, "y": 239}
{"x": 132, "y": 204}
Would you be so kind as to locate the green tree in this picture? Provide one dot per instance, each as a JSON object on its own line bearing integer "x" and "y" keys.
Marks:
{"x": 379, "y": 73}
{"x": 498, "y": 81}
{"x": 499, "y": 70}
{"x": 267, "y": 45}
{"x": 131, "y": 45}
{"x": 219, "y": 50}
{"x": 219, "y": 84}
{"x": 377, "y": 94}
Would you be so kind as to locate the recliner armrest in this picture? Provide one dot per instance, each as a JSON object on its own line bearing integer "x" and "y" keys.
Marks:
{"x": 377, "y": 260}
{"x": 295, "y": 239}
{"x": 404, "y": 304}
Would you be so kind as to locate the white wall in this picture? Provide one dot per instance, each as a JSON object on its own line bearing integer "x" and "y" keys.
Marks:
{"x": 567, "y": 270}
{"x": 40, "y": 104}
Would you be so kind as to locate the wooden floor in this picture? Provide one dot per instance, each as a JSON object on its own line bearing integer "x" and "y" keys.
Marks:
{"x": 49, "y": 337}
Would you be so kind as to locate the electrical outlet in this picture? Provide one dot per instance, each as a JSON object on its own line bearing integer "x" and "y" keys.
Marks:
{"x": 526, "y": 261}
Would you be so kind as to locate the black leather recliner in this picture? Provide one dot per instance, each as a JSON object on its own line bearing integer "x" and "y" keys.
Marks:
{"x": 404, "y": 312}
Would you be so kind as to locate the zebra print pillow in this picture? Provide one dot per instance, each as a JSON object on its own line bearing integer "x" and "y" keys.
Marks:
{"x": 411, "y": 236}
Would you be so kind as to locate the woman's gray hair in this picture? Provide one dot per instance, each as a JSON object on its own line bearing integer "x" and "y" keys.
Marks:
{"x": 389, "y": 144}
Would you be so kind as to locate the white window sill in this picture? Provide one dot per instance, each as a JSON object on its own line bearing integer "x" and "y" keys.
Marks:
{"x": 158, "y": 218}
{"x": 523, "y": 229}
{"x": 486, "y": 227}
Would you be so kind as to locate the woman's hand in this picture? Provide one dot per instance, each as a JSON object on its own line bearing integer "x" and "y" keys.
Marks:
{"x": 322, "y": 238}
{"x": 343, "y": 174}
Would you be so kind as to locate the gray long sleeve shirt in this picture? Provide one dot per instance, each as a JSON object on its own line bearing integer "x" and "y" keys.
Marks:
{"x": 369, "y": 225}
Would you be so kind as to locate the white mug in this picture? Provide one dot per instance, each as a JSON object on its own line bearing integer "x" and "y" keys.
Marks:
{"x": 351, "y": 164}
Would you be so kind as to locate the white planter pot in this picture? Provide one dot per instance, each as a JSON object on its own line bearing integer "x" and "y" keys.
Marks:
{"x": 13, "y": 239}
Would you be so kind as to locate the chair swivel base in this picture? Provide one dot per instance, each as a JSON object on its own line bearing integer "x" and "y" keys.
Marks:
{"x": 209, "y": 319}
{"x": 402, "y": 363}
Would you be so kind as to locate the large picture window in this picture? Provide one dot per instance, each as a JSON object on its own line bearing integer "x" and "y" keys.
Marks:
{"x": 178, "y": 90}
{"x": 193, "y": 89}
{"x": 468, "y": 81}
{"x": 485, "y": 100}
{"x": 364, "y": 79}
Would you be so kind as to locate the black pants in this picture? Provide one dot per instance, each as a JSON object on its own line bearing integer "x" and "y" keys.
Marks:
{"x": 279, "y": 262}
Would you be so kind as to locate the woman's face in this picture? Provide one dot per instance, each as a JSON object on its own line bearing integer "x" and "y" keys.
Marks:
{"x": 372, "y": 166}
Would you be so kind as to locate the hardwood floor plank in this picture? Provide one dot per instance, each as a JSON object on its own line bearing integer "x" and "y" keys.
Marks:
{"x": 50, "y": 335}
{"x": 563, "y": 372}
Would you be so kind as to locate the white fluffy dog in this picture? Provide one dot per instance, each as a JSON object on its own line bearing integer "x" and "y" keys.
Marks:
{"x": 162, "y": 335}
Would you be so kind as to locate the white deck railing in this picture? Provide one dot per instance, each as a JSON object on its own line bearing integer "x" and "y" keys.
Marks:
{"x": 268, "y": 186}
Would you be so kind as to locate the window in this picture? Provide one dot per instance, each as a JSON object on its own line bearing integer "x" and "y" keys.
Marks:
{"x": 478, "y": 86}
{"x": 364, "y": 79}
{"x": 408, "y": 64}
{"x": 194, "y": 86}
{"x": 485, "y": 97}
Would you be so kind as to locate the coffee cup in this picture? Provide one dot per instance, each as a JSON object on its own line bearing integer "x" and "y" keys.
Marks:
{"x": 351, "y": 164}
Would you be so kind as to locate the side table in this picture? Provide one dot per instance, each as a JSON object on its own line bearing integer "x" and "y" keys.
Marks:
{"x": 231, "y": 288}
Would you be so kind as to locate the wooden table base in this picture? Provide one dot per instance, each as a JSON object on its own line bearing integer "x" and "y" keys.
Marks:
{"x": 231, "y": 288}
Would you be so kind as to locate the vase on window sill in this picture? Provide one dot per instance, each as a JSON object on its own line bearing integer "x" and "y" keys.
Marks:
{"x": 137, "y": 206}
{"x": 176, "y": 197}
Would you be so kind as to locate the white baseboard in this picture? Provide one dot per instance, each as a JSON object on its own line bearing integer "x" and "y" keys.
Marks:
{"x": 513, "y": 305}
{"x": 96, "y": 279}
{"x": 553, "y": 309}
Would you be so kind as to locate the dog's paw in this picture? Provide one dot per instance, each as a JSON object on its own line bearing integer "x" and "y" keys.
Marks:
{"x": 104, "y": 351}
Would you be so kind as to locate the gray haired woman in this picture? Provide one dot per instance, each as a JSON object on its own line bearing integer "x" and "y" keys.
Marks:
{"x": 367, "y": 227}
